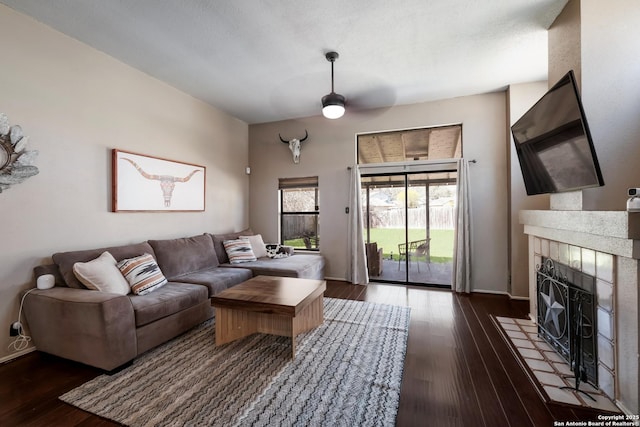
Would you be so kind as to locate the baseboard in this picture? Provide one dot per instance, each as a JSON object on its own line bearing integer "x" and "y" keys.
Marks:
{"x": 339, "y": 279}
{"x": 483, "y": 291}
{"x": 16, "y": 355}
{"x": 624, "y": 408}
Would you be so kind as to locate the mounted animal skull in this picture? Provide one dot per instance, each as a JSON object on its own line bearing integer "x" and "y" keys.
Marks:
{"x": 294, "y": 145}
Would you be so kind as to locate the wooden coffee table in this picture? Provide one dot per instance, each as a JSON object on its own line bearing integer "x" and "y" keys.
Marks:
{"x": 284, "y": 306}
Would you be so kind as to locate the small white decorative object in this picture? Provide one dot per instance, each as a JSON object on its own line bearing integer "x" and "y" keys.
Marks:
{"x": 16, "y": 163}
{"x": 46, "y": 281}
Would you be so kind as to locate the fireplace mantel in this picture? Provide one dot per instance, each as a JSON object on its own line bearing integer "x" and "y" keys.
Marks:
{"x": 613, "y": 232}
{"x": 605, "y": 244}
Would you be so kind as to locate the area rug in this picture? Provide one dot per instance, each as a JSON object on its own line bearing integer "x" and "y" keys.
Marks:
{"x": 348, "y": 371}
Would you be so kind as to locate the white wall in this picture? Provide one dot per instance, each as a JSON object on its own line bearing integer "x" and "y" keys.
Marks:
{"x": 520, "y": 98}
{"x": 331, "y": 148}
{"x": 610, "y": 42}
{"x": 76, "y": 104}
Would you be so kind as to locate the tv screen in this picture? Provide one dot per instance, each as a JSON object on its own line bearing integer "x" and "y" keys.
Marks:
{"x": 554, "y": 145}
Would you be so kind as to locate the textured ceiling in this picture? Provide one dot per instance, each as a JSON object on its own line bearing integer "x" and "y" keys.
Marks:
{"x": 263, "y": 61}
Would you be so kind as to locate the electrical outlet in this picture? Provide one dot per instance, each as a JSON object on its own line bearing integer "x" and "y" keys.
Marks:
{"x": 14, "y": 329}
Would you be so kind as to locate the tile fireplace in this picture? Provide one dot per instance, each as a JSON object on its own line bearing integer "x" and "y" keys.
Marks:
{"x": 604, "y": 246}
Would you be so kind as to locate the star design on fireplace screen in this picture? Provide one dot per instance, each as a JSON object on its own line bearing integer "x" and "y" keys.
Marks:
{"x": 554, "y": 308}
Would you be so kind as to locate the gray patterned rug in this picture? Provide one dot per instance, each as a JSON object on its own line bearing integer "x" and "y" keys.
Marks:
{"x": 347, "y": 372}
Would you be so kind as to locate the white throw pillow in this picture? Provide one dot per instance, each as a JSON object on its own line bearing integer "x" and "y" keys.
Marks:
{"x": 101, "y": 274}
{"x": 257, "y": 245}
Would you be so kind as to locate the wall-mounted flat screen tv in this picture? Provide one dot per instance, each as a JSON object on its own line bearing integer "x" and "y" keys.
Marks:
{"x": 554, "y": 145}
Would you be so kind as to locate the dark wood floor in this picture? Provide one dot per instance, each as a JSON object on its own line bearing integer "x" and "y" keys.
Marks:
{"x": 458, "y": 370}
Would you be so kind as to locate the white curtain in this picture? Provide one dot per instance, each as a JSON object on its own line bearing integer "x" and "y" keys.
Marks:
{"x": 462, "y": 243}
{"x": 357, "y": 262}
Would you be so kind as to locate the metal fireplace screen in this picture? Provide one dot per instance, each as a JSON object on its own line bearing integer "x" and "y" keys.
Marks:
{"x": 567, "y": 316}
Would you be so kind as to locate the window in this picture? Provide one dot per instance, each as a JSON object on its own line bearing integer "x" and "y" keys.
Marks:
{"x": 299, "y": 212}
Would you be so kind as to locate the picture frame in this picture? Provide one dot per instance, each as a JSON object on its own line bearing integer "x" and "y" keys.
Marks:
{"x": 143, "y": 183}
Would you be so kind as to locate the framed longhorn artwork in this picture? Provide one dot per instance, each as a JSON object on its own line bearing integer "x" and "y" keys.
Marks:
{"x": 142, "y": 183}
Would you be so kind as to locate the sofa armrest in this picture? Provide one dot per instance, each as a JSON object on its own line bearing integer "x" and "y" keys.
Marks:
{"x": 91, "y": 327}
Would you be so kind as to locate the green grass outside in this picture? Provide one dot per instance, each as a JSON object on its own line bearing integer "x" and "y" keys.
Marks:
{"x": 296, "y": 243}
{"x": 388, "y": 239}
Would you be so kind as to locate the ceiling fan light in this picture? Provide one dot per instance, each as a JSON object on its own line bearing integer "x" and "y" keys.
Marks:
{"x": 333, "y": 106}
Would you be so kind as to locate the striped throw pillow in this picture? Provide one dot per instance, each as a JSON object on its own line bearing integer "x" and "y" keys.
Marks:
{"x": 142, "y": 273}
{"x": 239, "y": 251}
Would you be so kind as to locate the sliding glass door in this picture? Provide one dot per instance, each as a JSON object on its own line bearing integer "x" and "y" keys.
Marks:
{"x": 409, "y": 226}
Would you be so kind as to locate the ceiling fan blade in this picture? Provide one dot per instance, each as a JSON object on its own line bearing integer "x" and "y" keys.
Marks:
{"x": 373, "y": 101}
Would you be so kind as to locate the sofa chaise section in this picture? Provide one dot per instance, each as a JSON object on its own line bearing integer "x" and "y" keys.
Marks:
{"x": 304, "y": 266}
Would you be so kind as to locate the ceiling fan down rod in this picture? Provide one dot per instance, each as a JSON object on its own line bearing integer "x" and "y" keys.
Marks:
{"x": 331, "y": 57}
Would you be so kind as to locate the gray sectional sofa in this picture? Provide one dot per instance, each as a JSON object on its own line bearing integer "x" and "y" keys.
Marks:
{"x": 109, "y": 330}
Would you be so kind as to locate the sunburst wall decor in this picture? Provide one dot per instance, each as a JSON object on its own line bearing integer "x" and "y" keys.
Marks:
{"x": 16, "y": 162}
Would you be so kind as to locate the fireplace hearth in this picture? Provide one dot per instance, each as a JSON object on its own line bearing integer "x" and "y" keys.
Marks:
{"x": 567, "y": 317}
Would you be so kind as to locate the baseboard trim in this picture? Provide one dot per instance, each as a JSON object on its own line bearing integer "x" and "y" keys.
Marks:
{"x": 519, "y": 298}
{"x": 484, "y": 291}
{"x": 15, "y": 355}
{"x": 339, "y": 279}
{"x": 624, "y": 408}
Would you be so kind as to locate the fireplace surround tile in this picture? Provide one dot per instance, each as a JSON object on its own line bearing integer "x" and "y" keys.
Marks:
{"x": 605, "y": 323}
{"x": 605, "y": 295}
{"x": 605, "y": 352}
{"x": 605, "y": 380}
{"x": 604, "y": 267}
{"x": 554, "y": 253}
{"x": 530, "y": 354}
{"x": 588, "y": 261}
{"x": 554, "y": 357}
{"x": 547, "y": 378}
{"x": 516, "y": 334}
{"x": 539, "y": 365}
{"x": 563, "y": 252}
{"x": 523, "y": 343}
{"x": 575, "y": 257}
{"x": 544, "y": 247}
{"x": 563, "y": 396}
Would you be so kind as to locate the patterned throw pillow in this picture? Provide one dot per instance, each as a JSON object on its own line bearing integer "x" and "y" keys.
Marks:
{"x": 239, "y": 251}
{"x": 275, "y": 250}
{"x": 142, "y": 273}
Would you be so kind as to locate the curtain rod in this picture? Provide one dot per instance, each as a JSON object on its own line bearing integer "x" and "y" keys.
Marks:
{"x": 427, "y": 162}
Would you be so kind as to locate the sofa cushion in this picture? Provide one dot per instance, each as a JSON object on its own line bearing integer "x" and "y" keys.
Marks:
{"x": 304, "y": 266}
{"x": 185, "y": 255}
{"x": 217, "y": 279}
{"x": 142, "y": 273}
{"x": 218, "y": 244}
{"x": 65, "y": 260}
{"x": 239, "y": 251}
{"x": 170, "y": 299}
{"x": 101, "y": 274}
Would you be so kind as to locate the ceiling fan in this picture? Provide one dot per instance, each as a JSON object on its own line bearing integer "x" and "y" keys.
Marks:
{"x": 334, "y": 104}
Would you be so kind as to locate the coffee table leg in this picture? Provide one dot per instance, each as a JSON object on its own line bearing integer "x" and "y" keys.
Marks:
{"x": 233, "y": 324}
